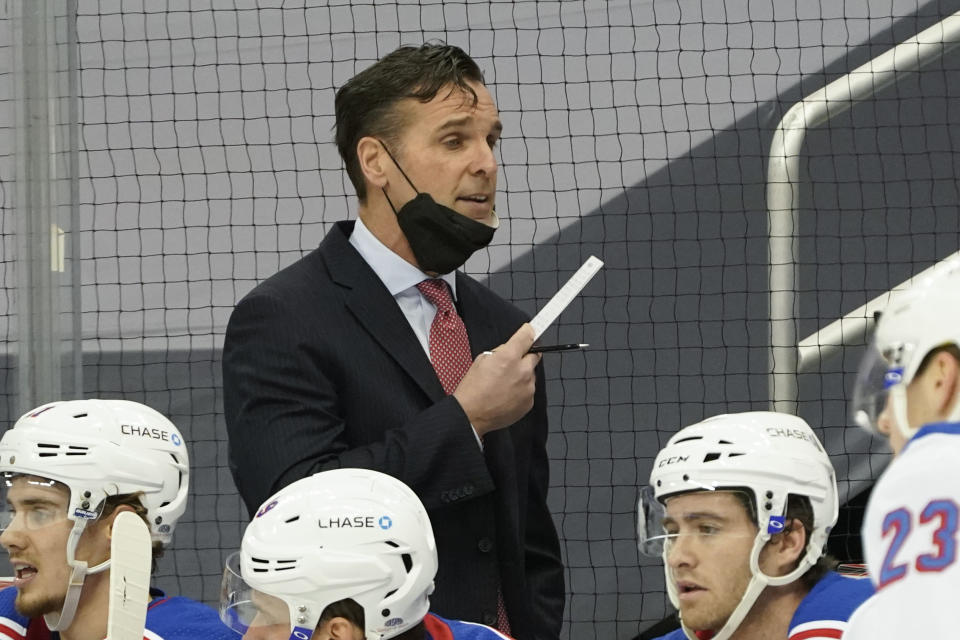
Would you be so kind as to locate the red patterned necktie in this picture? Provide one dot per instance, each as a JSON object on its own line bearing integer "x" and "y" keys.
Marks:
{"x": 450, "y": 356}
{"x": 449, "y": 344}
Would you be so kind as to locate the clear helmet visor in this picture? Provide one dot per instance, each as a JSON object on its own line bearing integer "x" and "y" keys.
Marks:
{"x": 660, "y": 527}
{"x": 253, "y": 613}
{"x": 34, "y": 502}
{"x": 878, "y": 374}
{"x": 651, "y": 535}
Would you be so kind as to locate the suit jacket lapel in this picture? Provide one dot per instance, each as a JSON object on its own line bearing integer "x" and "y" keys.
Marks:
{"x": 376, "y": 310}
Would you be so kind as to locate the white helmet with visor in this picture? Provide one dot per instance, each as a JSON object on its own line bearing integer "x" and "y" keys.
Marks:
{"x": 766, "y": 455}
{"x": 97, "y": 449}
{"x": 339, "y": 534}
{"x": 917, "y": 321}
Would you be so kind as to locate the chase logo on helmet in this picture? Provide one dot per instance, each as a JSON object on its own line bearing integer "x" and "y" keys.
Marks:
{"x": 347, "y": 522}
{"x": 385, "y": 522}
{"x": 798, "y": 434}
{"x": 146, "y": 432}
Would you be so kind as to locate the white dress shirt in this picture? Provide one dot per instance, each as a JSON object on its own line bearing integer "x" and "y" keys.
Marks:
{"x": 401, "y": 279}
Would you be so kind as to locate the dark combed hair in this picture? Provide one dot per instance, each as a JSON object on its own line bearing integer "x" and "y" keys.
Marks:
{"x": 349, "y": 609}
{"x": 366, "y": 104}
{"x": 798, "y": 509}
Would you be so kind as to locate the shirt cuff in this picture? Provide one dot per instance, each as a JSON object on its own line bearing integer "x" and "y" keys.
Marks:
{"x": 477, "y": 436}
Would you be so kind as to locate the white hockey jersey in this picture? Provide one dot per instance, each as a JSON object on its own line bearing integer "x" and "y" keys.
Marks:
{"x": 910, "y": 539}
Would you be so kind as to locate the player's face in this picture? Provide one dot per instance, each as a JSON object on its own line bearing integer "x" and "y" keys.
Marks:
{"x": 447, "y": 150}
{"x": 36, "y": 540}
{"x": 709, "y": 559}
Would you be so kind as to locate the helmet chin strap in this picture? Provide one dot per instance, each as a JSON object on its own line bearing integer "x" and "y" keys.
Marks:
{"x": 898, "y": 402}
{"x": 79, "y": 571}
{"x": 758, "y": 582}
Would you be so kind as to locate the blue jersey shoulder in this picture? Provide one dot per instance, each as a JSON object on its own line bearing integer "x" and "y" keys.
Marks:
{"x": 167, "y": 618}
{"x": 15, "y": 623}
{"x": 182, "y": 618}
{"x": 442, "y": 629}
{"x": 835, "y": 597}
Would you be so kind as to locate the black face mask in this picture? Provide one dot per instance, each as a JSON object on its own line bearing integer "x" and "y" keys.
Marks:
{"x": 441, "y": 239}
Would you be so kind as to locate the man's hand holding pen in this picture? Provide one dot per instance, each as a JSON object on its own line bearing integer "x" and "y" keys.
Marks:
{"x": 498, "y": 388}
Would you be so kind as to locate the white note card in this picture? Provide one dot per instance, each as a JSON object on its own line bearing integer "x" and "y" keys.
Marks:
{"x": 565, "y": 295}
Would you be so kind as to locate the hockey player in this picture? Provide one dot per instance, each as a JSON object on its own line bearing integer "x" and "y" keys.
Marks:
{"x": 908, "y": 389}
{"x": 69, "y": 469}
{"x": 739, "y": 506}
{"x": 346, "y": 554}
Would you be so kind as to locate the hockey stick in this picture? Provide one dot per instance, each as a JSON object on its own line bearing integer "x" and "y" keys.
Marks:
{"x": 130, "y": 560}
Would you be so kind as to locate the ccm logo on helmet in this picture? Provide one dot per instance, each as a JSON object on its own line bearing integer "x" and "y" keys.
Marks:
{"x": 672, "y": 460}
{"x": 149, "y": 432}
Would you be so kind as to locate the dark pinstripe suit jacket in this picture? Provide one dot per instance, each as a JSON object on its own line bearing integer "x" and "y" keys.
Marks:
{"x": 321, "y": 369}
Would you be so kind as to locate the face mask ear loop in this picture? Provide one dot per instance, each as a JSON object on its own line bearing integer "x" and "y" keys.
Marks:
{"x": 399, "y": 168}
{"x": 62, "y": 620}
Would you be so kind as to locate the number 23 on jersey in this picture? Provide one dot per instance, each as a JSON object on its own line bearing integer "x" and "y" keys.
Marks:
{"x": 936, "y": 524}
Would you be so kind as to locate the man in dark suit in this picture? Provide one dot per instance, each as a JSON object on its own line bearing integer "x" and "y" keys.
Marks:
{"x": 347, "y": 359}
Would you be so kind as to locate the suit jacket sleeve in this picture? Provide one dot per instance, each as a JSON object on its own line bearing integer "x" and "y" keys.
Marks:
{"x": 284, "y": 392}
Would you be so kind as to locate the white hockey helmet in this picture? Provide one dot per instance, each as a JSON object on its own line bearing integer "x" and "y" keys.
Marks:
{"x": 769, "y": 456}
{"x": 100, "y": 448}
{"x": 917, "y": 321}
{"x": 344, "y": 533}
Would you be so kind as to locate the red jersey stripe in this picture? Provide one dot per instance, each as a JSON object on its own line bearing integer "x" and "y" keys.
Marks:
{"x": 823, "y": 632}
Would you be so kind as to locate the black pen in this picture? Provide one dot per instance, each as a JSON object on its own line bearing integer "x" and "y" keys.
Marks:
{"x": 546, "y": 348}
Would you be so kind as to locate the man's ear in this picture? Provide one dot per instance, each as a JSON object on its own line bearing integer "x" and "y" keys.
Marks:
{"x": 783, "y": 551}
{"x": 338, "y": 628}
{"x": 945, "y": 370}
{"x": 106, "y": 524}
{"x": 373, "y": 161}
